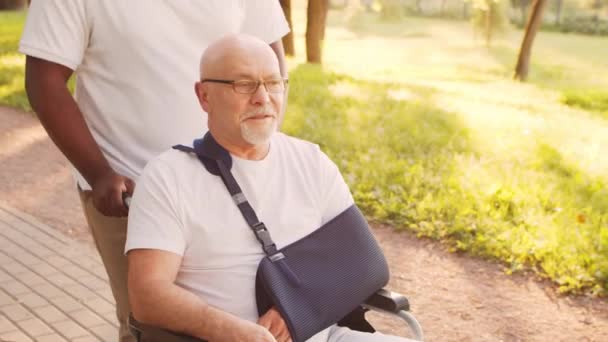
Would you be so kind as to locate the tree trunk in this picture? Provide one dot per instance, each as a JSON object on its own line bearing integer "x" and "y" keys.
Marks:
{"x": 534, "y": 21}
{"x": 288, "y": 43}
{"x": 419, "y": 6}
{"x": 315, "y": 29}
{"x": 523, "y": 4}
{"x": 465, "y": 10}
{"x": 12, "y": 4}
{"x": 488, "y": 25}
{"x": 558, "y": 13}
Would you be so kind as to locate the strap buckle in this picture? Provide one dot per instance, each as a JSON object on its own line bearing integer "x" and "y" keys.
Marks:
{"x": 263, "y": 236}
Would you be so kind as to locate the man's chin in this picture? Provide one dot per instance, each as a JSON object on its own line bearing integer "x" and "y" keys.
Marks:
{"x": 257, "y": 136}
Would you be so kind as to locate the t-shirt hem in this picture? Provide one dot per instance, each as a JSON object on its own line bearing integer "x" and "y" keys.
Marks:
{"x": 46, "y": 55}
{"x": 152, "y": 245}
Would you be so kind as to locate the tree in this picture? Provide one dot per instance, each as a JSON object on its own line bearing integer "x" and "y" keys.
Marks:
{"x": 315, "y": 29}
{"x": 534, "y": 21}
{"x": 12, "y": 4}
{"x": 558, "y": 12}
{"x": 288, "y": 43}
{"x": 488, "y": 17}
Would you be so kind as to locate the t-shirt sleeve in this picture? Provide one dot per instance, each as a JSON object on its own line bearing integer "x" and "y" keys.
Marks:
{"x": 335, "y": 194}
{"x": 265, "y": 19}
{"x": 154, "y": 216}
{"x": 56, "y": 31}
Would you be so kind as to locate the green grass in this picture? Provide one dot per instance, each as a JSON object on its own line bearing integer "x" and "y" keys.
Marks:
{"x": 12, "y": 92}
{"x": 590, "y": 99}
{"x": 433, "y": 136}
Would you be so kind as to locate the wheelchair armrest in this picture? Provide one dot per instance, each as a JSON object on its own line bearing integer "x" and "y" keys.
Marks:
{"x": 388, "y": 301}
{"x": 147, "y": 333}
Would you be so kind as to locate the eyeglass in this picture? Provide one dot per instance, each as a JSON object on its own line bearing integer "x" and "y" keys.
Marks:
{"x": 274, "y": 85}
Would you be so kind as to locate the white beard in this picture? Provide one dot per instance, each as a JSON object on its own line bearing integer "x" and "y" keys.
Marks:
{"x": 257, "y": 134}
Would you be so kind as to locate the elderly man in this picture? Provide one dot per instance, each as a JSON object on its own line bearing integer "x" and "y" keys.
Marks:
{"x": 192, "y": 257}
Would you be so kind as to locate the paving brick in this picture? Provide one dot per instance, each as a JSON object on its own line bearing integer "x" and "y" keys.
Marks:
{"x": 34, "y": 327}
{"x": 80, "y": 292}
{"x": 66, "y": 304}
{"x": 13, "y": 249}
{"x": 48, "y": 291}
{"x": 13, "y": 267}
{"x": 30, "y": 278}
{"x": 40, "y": 251}
{"x": 86, "y": 339}
{"x": 3, "y": 241}
{"x": 16, "y": 336}
{"x": 70, "y": 329}
{"x": 26, "y": 258}
{"x": 107, "y": 295}
{"x": 6, "y": 299}
{"x": 50, "y": 314}
{"x": 61, "y": 280}
{"x": 50, "y": 338}
{"x": 111, "y": 317}
{"x": 106, "y": 333}
{"x": 87, "y": 319}
{"x": 99, "y": 305}
{"x": 43, "y": 269}
{"x": 93, "y": 283}
{"x": 4, "y": 258}
{"x": 74, "y": 271}
{"x": 100, "y": 271}
{"x": 6, "y": 325}
{"x": 15, "y": 312}
{"x": 14, "y": 288}
{"x": 74, "y": 251}
{"x": 4, "y": 276}
{"x": 56, "y": 246}
{"x": 31, "y": 300}
{"x": 58, "y": 261}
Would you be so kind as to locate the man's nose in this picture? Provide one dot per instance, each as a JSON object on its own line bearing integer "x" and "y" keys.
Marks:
{"x": 261, "y": 95}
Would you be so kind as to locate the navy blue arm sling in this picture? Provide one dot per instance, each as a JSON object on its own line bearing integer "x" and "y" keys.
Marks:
{"x": 317, "y": 281}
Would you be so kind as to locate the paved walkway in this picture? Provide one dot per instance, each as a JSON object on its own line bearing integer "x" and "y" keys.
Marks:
{"x": 52, "y": 288}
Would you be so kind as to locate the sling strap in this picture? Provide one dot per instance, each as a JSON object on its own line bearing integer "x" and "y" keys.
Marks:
{"x": 218, "y": 161}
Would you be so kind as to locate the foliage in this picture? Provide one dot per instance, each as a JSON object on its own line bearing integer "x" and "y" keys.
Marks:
{"x": 589, "y": 99}
{"x": 12, "y": 91}
{"x": 392, "y": 9}
{"x": 488, "y": 17}
{"x": 416, "y": 166}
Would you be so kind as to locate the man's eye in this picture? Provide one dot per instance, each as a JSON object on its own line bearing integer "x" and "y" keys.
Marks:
{"x": 246, "y": 83}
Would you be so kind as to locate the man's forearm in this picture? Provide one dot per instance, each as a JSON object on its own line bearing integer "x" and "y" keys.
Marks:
{"x": 62, "y": 119}
{"x": 178, "y": 310}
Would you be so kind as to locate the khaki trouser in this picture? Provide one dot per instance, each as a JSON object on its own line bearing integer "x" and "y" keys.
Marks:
{"x": 110, "y": 234}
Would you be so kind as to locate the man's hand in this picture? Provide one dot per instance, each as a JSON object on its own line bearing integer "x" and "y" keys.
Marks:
{"x": 246, "y": 331}
{"x": 273, "y": 321}
{"x": 108, "y": 194}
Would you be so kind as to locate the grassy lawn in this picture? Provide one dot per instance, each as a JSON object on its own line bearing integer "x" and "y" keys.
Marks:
{"x": 12, "y": 92}
{"x": 434, "y": 137}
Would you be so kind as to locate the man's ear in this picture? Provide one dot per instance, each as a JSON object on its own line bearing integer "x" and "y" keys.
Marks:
{"x": 202, "y": 94}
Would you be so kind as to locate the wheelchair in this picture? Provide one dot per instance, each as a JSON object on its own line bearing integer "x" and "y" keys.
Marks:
{"x": 383, "y": 301}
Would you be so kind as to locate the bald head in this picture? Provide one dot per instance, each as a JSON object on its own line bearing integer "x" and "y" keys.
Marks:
{"x": 242, "y": 90}
{"x": 225, "y": 53}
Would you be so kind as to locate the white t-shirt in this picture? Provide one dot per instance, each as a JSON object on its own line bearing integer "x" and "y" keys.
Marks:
{"x": 180, "y": 207}
{"x": 136, "y": 63}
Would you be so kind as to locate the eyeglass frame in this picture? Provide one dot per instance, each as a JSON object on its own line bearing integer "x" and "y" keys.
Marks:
{"x": 258, "y": 83}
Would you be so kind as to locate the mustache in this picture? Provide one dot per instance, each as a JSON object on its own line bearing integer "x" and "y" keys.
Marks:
{"x": 266, "y": 110}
